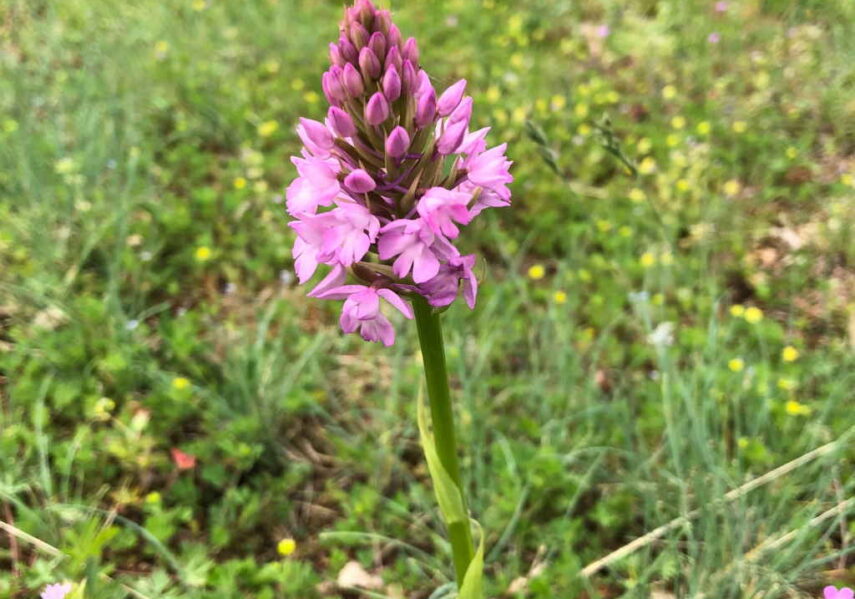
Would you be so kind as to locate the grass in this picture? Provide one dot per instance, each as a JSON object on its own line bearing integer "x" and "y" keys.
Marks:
{"x": 626, "y": 367}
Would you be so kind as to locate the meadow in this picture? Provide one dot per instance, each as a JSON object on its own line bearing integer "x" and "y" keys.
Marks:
{"x": 663, "y": 340}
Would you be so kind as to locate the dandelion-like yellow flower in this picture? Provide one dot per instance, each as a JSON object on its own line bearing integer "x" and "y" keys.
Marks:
{"x": 536, "y": 272}
{"x": 742, "y": 443}
{"x": 732, "y": 187}
{"x": 647, "y": 259}
{"x": 753, "y": 315}
{"x": 559, "y": 297}
{"x": 239, "y": 183}
{"x": 267, "y": 128}
{"x": 737, "y": 310}
{"x": 203, "y": 254}
{"x": 494, "y": 94}
{"x": 792, "y": 152}
{"x": 739, "y": 126}
{"x": 795, "y": 408}
{"x": 736, "y": 364}
{"x": 847, "y": 179}
{"x": 669, "y": 92}
{"x": 678, "y": 122}
{"x": 311, "y": 97}
{"x": 179, "y": 383}
{"x": 682, "y": 185}
{"x": 644, "y": 145}
{"x": 286, "y": 547}
{"x": 580, "y": 110}
{"x": 672, "y": 140}
{"x": 790, "y": 354}
{"x": 153, "y": 497}
{"x": 704, "y": 128}
{"x": 584, "y": 129}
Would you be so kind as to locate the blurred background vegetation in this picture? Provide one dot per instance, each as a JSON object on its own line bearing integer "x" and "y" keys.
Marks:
{"x": 177, "y": 420}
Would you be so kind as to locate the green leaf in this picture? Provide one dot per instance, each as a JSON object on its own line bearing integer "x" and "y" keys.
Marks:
{"x": 447, "y": 493}
{"x": 473, "y": 580}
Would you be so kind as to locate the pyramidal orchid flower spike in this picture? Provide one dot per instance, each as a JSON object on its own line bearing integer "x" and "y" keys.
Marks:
{"x": 385, "y": 187}
{"x": 386, "y": 183}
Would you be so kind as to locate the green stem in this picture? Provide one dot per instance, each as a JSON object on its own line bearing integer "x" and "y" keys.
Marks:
{"x": 442, "y": 418}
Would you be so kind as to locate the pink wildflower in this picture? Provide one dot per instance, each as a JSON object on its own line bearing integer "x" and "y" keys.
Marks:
{"x": 388, "y": 181}
{"x": 56, "y": 591}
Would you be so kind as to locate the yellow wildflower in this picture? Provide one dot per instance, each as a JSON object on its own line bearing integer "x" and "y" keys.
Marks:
{"x": 737, "y": 310}
{"x": 736, "y": 364}
{"x": 493, "y": 94}
{"x": 739, "y": 126}
{"x": 682, "y": 185}
{"x": 647, "y": 259}
{"x": 198, "y": 5}
{"x": 179, "y": 383}
{"x": 704, "y": 128}
{"x": 559, "y": 297}
{"x": 203, "y": 254}
{"x": 669, "y": 92}
{"x": 581, "y": 110}
{"x": 268, "y": 128}
{"x": 790, "y": 354}
{"x": 732, "y": 187}
{"x": 239, "y": 183}
{"x": 792, "y": 153}
{"x": 286, "y": 547}
{"x": 753, "y": 315}
{"x": 536, "y": 272}
{"x": 795, "y": 408}
{"x": 678, "y": 122}
{"x": 584, "y": 129}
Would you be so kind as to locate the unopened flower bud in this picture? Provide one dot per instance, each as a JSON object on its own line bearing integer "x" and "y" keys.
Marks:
{"x": 335, "y": 55}
{"x": 358, "y": 35}
{"x": 393, "y": 58}
{"x": 331, "y": 84}
{"x": 451, "y": 137}
{"x": 348, "y": 51}
{"x": 317, "y": 134}
{"x": 411, "y": 51}
{"x": 352, "y": 81}
{"x": 426, "y": 108}
{"x": 369, "y": 63}
{"x": 377, "y": 43}
{"x": 394, "y": 36}
{"x": 382, "y": 21}
{"x": 463, "y": 112}
{"x": 408, "y": 77}
{"x": 423, "y": 85}
{"x": 391, "y": 84}
{"x": 377, "y": 109}
{"x": 359, "y": 181}
{"x": 398, "y": 142}
{"x": 341, "y": 122}
{"x": 450, "y": 98}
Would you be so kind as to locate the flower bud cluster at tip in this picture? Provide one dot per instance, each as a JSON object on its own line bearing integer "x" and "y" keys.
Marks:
{"x": 387, "y": 180}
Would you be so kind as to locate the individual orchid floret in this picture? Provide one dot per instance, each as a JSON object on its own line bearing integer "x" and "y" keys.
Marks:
{"x": 389, "y": 180}
{"x": 440, "y": 208}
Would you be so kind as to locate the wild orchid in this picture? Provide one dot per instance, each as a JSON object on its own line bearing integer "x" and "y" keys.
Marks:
{"x": 385, "y": 185}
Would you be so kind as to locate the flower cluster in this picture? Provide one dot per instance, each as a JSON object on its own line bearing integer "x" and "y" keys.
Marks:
{"x": 385, "y": 183}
